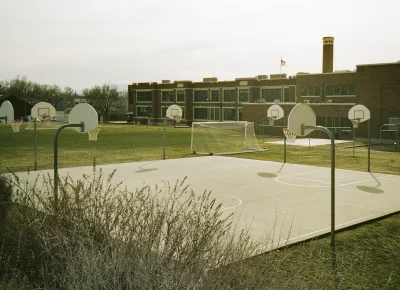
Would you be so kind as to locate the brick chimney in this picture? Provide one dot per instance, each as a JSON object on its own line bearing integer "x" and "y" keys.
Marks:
{"x": 327, "y": 54}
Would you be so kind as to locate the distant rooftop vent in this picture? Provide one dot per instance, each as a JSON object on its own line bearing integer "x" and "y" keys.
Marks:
{"x": 210, "y": 80}
{"x": 278, "y": 76}
{"x": 262, "y": 77}
{"x": 342, "y": 71}
{"x": 166, "y": 81}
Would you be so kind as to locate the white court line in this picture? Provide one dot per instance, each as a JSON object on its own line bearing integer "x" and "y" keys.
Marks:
{"x": 365, "y": 218}
{"x": 234, "y": 197}
{"x": 337, "y": 182}
{"x": 289, "y": 175}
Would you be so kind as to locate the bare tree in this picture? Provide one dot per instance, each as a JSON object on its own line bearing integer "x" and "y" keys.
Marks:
{"x": 102, "y": 98}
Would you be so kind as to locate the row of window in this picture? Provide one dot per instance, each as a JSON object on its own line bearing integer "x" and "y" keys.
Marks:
{"x": 214, "y": 96}
{"x": 211, "y": 113}
{"x": 336, "y": 90}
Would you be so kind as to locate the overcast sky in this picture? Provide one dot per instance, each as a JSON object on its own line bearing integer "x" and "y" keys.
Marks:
{"x": 81, "y": 43}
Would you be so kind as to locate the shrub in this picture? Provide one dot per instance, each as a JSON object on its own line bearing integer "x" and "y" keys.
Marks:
{"x": 5, "y": 189}
{"x": 102, "y": 236}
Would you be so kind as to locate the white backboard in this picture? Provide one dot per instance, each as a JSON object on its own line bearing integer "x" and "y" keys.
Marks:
{"x": 85, "y": 113}
{"x": 7, "y": 110}
{"x": 301, "y": 114}
{"x": 359, "y": 112}
{"x": 174, "y": 111}
{"x": 275, "y": 112}
{"x": 43, "y": 110}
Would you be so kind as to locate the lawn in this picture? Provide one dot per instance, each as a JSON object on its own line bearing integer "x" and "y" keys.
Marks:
{"x": 367, "y": 254}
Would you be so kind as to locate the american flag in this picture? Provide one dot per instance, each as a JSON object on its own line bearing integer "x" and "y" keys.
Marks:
{"x": 283, "y": 63}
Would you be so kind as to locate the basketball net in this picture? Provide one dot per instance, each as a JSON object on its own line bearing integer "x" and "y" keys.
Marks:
{"x": 93, "y": 134}
{"x": 177, "y": 119}
{"x": 271, "y": 120}
{"x": 290, "y": 136}
{"x": 46, "y": 120}
{"x": 355, "y": 122}
{"x": 15, "y": 125}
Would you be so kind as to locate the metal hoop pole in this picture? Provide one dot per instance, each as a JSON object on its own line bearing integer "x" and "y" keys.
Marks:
{"x": 165, "y": 124}
{"x": 35, "y": 144}
{"x": 56, "y": 178}
{"x": 284, "y": 143}
{"x": 329, "y": 133}
{"x": 369, "y": 148}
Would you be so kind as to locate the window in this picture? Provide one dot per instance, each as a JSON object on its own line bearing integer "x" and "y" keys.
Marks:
{"x": 286, "y": 94}
{"x": 229, "y": 96}
{"x": 201, "y": 96}
{"x": 341, "y": 90}
{"x": 143, "y": 96}
{"x": 320, "y": 121}
{"x": 214, "y": 95}
{"x": 167, "y": 96}
{"x": 270, "y": 95}
{"x": 229, "y": 114}
{"x": 131, "y": 97}
{"x": 143, "y": 112}
{"x": 206, "y": 114}
{"x": 244, "y": 95}
{"x": 346, "y": 123}
{"x": 180, "y": 96}
{"x": 311, "y": 91}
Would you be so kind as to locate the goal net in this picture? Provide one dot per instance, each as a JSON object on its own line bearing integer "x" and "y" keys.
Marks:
{"x": 223, "y": 138}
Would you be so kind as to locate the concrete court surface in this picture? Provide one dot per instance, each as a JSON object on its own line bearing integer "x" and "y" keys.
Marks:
{"x": 288, "y": 202}
{"x": 310, "y": 142}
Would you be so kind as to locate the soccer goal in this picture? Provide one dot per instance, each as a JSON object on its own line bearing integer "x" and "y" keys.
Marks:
{"x": 221, "y": 138}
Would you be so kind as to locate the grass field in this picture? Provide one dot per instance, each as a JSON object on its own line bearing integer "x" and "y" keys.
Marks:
{"x": 368, "y": 253}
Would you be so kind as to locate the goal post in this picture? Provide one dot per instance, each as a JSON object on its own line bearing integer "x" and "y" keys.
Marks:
{"x": 221, "y": 138}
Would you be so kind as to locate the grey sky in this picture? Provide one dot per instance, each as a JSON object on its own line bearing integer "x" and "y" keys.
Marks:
{"x": 80, "y": 43}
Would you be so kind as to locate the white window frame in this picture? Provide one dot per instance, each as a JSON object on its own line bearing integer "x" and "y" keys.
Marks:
{"x": 141, "y": 117}
{"x": 272, "y": 87}
{"x": 208, "y": 95}
{"x": 184, "y": 96}
{"x": 238, "y": 94}
{"x": 223, "y": 113}
{"x": 203, "y": 107}
{"x": 143, "y": 102}
{"x": 230, "y": 89}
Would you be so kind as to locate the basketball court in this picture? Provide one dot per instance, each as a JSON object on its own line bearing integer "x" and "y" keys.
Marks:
{"x": 286, "y": 202}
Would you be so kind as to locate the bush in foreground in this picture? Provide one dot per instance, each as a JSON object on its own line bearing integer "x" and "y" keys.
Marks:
{"x": 102, "y": 236}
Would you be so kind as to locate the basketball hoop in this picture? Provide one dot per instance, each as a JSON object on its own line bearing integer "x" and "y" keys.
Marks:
{"x": 93, "y": 134}
{"x": 177, "y": 119}
{"x": 290, "y": 136}
{"x": 271, "y": 120}
{"x": 46, "y": 119}
{"x": 15, "y": 125}
{"x": 355, "y": 122}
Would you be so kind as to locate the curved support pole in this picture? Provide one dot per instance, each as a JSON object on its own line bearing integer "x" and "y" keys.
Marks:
{"x": 333, "y": 250}
{"x": 329, "y": 133}
{"x": 56, "y": 178}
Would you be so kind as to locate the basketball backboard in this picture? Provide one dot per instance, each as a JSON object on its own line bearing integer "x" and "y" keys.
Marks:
{"x": 301, "y": 114}
{"x": 275, "y": 112}
{"x": 174, "y": 112}
{"x": 359, "y": 113}
{"x": 85, "y": 113}
{"x": 6, "y": 110}
{"x": 43, "y": 110}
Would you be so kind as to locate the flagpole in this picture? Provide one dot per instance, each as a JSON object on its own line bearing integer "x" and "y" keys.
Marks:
{"x": 280, "y": 68}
